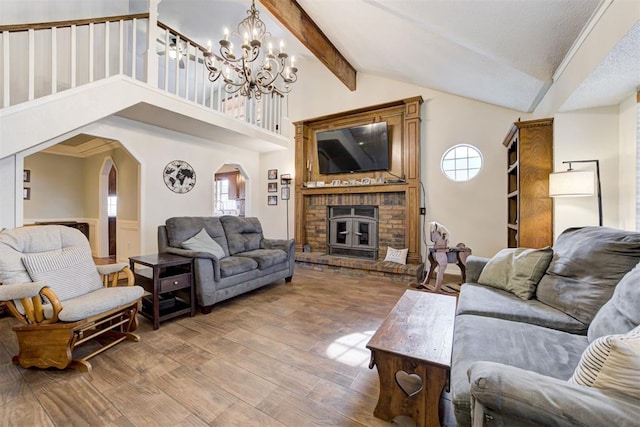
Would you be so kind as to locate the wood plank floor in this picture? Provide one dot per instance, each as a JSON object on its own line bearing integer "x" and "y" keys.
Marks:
{"x": 284, "y": 355}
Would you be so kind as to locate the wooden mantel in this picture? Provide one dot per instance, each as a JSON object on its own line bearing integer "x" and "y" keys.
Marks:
{"x": 403, "y": 120}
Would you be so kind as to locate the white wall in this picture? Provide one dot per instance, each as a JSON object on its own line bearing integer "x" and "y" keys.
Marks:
{"x": 475, "y": 211}
{"x": 627, "y": 180}
{"x": 587, "y": 135}
{"x": 154, "y": 148}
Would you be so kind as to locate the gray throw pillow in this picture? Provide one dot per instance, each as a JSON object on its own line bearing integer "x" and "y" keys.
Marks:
{"x": 202, "y": 242}
{"x": 70, "y": 272}
{"x": 516, "y": 270}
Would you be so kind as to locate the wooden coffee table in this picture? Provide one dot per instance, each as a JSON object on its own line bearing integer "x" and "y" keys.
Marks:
{"x": 412, "y": 351}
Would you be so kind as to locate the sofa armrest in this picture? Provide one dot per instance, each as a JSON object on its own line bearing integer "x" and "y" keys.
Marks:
{"x": 286, "y": 245}
{"x": 200, "y": 255}
{"x": 503, "y": 391}
{"x": 475, "y": 264}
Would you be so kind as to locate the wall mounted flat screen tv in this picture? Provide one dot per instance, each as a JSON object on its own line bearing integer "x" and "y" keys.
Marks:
{"x": 354, "y": 149}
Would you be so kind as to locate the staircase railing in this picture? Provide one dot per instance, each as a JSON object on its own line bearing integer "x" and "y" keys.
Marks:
{"x": 43, "y": 59}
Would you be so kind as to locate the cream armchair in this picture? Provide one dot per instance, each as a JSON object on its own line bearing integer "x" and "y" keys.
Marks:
{"x": 62, "y": 299}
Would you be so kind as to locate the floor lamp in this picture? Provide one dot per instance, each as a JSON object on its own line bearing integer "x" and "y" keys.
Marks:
{"x": 573, "y": 183}
{"x": 285, "y": 181}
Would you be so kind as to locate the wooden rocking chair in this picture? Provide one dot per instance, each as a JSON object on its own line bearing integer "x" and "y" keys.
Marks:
{"x": 52, "y": 286}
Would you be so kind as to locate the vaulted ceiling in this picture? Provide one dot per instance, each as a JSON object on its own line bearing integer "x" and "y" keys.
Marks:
{"x": 503, "y": 52}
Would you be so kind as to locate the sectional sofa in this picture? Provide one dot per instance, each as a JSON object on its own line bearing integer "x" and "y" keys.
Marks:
{"x": 513, "y": 357}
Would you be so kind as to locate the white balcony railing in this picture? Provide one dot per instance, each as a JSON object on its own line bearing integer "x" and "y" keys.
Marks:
{"x": 38, "y": 60}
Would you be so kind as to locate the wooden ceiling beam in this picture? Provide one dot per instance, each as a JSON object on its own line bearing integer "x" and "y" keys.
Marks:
{"x": 296, "y": 20}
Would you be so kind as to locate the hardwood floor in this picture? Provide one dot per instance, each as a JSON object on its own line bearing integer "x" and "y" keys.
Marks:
{"x": 284, "y": 355}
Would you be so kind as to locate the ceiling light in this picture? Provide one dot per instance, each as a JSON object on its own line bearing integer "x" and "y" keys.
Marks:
{"x": 254, "y": 71}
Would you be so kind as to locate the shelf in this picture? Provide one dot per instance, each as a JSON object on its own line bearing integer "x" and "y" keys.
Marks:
{"x": 354, "y": 189}
{"x": 512, "y": 194}
{"x": 512, "y": 227}
{"x": 513, "y": 167}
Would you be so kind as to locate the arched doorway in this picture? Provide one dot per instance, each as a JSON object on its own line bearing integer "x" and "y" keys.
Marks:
{"x": 230, "y": 190}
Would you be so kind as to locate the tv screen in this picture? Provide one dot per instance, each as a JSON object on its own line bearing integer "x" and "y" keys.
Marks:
{"x": 354, "y": 149}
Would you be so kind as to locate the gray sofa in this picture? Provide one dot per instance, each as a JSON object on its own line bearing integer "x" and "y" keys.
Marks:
{"x": 512, "y": 357}
{"x": 249, "y": 262}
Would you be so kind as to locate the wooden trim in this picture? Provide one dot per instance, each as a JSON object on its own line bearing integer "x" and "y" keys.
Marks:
{"x": 60, "y": 24}
{"x": 296, "y": 20}
{"x": 638, "y": 97}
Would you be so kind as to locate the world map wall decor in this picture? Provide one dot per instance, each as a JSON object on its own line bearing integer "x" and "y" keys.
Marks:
{"x": 179, "y": 176}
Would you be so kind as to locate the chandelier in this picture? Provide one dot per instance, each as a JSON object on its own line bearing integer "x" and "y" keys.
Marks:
{"x": 252, "y": 71}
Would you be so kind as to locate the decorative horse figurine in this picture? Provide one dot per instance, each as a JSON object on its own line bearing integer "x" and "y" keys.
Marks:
{"x": 440, "y": 255}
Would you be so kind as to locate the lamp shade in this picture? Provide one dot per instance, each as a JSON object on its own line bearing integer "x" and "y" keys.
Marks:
{"x": 571, "y": 184}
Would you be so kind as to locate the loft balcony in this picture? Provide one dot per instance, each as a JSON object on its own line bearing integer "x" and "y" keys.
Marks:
{"x": 157, "y": 73}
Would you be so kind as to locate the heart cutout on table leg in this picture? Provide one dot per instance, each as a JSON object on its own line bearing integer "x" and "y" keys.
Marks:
{"x": 410, "y": 384}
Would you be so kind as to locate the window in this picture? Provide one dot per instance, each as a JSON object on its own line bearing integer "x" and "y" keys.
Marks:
{"x": 223, "y": 204}
{"x": 112, "y": 205}
{"x": 461, "y": 162}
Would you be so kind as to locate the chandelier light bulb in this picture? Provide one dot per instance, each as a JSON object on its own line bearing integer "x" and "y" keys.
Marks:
{"x": 246, "y": 39}
{"x": 270, "y": 48}
{"x": 226, "y": 34}
{"x": 281, "y": 46}
{"x": 209, "y": 46}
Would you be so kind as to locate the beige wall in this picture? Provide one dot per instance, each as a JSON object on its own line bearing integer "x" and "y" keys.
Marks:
{"x": 587, "y": 135}
{"x": 627, "y": 179}
{"x": 57, "y": 185}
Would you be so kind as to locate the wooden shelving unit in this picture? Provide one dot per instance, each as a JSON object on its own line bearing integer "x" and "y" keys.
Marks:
{"x": 529, "y": 163}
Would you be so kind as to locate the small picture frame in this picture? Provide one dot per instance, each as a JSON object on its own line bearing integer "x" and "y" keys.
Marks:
{"x": 366, "y": 181}
{"x": 380, "y": 180}
{"x": 272, "y": 174}
{"x": 336, "y": 183}
{"x": 26, "y": 193}
{"x": 285, "y": 193}
{"x": 272, "y": 187}
{"x": 272, "y": 200}
{"x": 26, "y": 175}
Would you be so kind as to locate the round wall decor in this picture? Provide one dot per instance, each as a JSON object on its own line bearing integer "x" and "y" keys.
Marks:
{"x": 179, "y": 176}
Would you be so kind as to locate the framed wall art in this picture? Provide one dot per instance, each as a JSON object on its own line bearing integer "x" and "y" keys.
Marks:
{"x": 272, "y": 200}
{"x": 272, "y": 174}
{"x": 26, "y": 175}
{"x": 272, "y": 187}
{"x": 26, "y": 193}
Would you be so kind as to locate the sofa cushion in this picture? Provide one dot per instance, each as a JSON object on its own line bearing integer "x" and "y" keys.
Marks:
{"x": 69, "y": 272}
{"x": 182, "y": 228}
{"x": 202, "y": 242}
{"x": 517, "y": 270}
{"x": 232, "y": 265}
{"x": 543, "y": 350}
{"x": 481, "y": 300}
{"x": 621, "y": 313}
{"x": 265, "y": 257}
{"x": 95, "y": 302}
{"x": 587, "y": 264}
{"x": 243, "y": 234}
{"x": 611, "y": 362}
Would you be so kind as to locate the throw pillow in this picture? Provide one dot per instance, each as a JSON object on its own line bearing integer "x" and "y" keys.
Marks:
{"x": 398, "y": 256}
{"x": 611, "y": 362}
{"x": 202, "y": 242}
{"x": 497, "y": 271}
{"x": 528, "y": 267}
{"x": 70, "y": 272}
{"x": 516, "y": 270}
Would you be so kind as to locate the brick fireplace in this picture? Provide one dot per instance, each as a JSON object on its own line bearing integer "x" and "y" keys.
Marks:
{"x": 394, "y": 194}
{"x": 390, "y": 210}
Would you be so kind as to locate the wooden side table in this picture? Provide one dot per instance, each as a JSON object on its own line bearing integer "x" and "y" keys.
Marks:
{"x": 166, "y": 274}
{"x": 412, "y": 351}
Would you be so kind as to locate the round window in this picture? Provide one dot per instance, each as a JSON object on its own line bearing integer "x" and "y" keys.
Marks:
{"x": 461, "y": 162}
